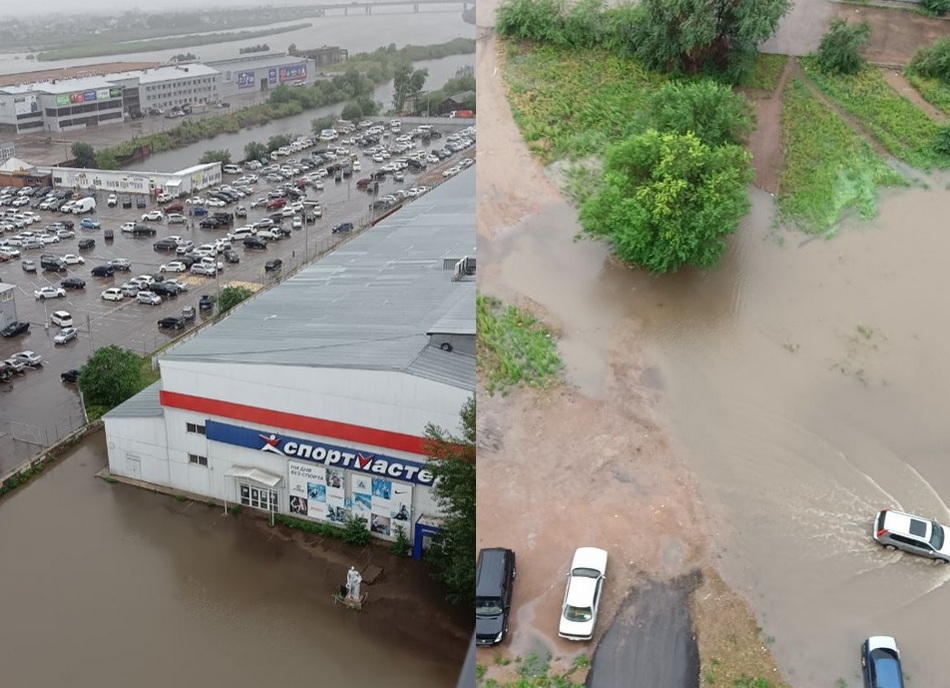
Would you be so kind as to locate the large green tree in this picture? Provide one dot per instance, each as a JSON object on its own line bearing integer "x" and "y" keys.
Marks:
{"x": 223, "y": 156}
{"x": 255, "y": 150}
{"x": 668, "y": 199}
{"x": 703, "y": 35}
{"x": 232, "y": 296}
{"x": 84, "y": 154}
{"x": 453, "y": 552}
{"x": 110, "y": 376}
{"x": 352, "y": 112}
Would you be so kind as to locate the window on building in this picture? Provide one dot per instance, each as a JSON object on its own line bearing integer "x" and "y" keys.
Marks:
{"x": 195, "y": 427}
{"x": 258, "y": 498}
{"x": 196, "y": 460}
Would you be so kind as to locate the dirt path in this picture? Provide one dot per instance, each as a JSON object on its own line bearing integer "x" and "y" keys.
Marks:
{"x": 768, "y": 158}
{"x": 896, "y": 34}
{"x": 901, "y": 85}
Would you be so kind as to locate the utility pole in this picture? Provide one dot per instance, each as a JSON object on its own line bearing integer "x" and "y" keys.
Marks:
{"x": 89, "y": 328}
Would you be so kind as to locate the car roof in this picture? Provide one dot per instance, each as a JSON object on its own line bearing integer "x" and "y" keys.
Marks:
{"x": 590, "y": 557}
{"x": 580, "y": 592}
{"x": 907, "y": 524}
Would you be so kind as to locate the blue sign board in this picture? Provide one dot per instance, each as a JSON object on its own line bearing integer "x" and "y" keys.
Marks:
{"x": 319, "y": 452}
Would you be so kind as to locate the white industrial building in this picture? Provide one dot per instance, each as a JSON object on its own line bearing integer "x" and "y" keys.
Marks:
{"x": 182, "y": 183}
{"x": 250, "y": 73}
{"x": 311, "y": 399}
{"x": 60, "y": 105}
{"x": 168, "y": 86}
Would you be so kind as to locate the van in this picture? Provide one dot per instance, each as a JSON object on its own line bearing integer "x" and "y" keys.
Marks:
{"x": 231, "y": 169}
{"x": 495, "y": 575}
{"x": 84, "y": 205}
{"x": 61, "y": 318}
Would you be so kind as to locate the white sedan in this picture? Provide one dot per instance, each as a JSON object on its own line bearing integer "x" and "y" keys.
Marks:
{"x": 585, "y": 585}
{"x": 174, "y": 266}
{"x": 127, "y": 226}
{"x": 66, "y": 334}
{"x": 73, "y": 259}
{"x": 154, "y": 216}
{"x": 50, "y": 293}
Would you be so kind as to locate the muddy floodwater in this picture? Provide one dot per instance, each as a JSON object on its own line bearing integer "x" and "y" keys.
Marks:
{"x": 108, "y": 585}
{"x": 806, "y": 381}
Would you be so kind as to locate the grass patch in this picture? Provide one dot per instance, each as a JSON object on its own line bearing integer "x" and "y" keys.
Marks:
{"x": 934, "y": 91}
{"x": 574, "y": 103}
{"x": 512, "y": 347}
{"x": 829, "y": 168}
{"x": 109, "y": 479}
{"x": 765, "y": 75}
{"x": 903, "y": 129}
{"x": 97, "y": 49}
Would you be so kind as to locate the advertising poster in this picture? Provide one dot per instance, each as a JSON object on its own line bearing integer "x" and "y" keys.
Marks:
{"x": 24, "y": 105}
{"x": 336, "y": 496}
{"x": 115, "y": 92}
{"x": 272, "y": 76}
{"x": 293, "y": 73}
{"x": 400, "y": 508}
{"x": 307, "y": 489}
{"x": 381, "y": 519}
{"x": 89, "y": 96}
{"x": 62, "y": 101}
{"x": 102, "y": 94}
{"x": 245, "y": 79}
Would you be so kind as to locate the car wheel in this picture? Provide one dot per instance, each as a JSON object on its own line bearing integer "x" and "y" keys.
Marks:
{"x": 890, "y": 548}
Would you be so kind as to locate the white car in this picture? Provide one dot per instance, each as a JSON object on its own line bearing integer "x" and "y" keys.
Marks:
{"x": 127, "y": 226}
{"x": 112, "y": 201}
{"x": 50, "y": 293}
{"x": 154, "y": 216}
{"x": 216, "y": 203}
{"x": 203, "y": 269}
{"x": 73, "y": 259}
{"x": 150, "y": 298}
{"x": 585, "y": 586}
{"x": 174, "y": 266}
{"x": 183, "y": 286}
{"x": 176, "y": 219}
{"x": 9, "y": 252}
{"x": 29, "y": 358}
{"x": 297, "y": 223}
{"x": 164, "y": 197}
{"x": 112, "y": 294}
{"x": 66, "y": 334}
{"x": 195, "y": 200}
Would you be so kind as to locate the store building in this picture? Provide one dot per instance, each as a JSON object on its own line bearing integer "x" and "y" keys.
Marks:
{"x": 182, "y": 183}
{"x": 168, "y": 87}
{"x": 311, "y": 399}
{"x": 250, "y": 73}
{"x": 59, "y": 105}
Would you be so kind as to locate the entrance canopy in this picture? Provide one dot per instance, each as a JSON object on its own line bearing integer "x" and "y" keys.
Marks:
{"x": 255, "y": 474}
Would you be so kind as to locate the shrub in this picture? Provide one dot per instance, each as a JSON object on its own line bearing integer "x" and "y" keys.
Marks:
{"x": 531, "y": 20}
{"x": 936, "y": 6}
{"x": 401, "y": 545}
{"x": 840, "y": 48}
{"x": 942, "y": 144}
{"x": 933, "y": 61}
{"x": 355, "y": 531}
{"x": 710, "y": 110}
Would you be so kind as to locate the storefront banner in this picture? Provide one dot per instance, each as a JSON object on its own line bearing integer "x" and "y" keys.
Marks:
{"x": 272, "y": 76}
{"x": 293, "y": 73}
{"x": 62, "y": 101}
{"x": 245, "y": 79}
{"x": 332, "y": 456}
{"x": 307, "y": 489}
{"x": 384, "y": 504}
{"x": 23, "y": 105}
{"x": 115, "y": 92}
{"x": 102, "y": 94}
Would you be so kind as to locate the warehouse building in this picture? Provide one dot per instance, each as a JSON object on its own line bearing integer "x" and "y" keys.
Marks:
{"x": 250, "y": 73}
{"x": 311, "y": 399}
{"x": 168, "y": 87}
{"x": 182, "y": 183}
{"x": 59, "y": 105}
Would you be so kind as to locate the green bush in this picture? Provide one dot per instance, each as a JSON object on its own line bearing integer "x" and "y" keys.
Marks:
{"x": 932, "y": 61}
{"x": 531, "y": 20}
{"x": 710, "y": 110}
{"x": 840, "y": 48}
{"x": 400, "y": 546}
{"x": 355, "y": 531}
{"x": 942, "y": 144}
{"x": 938, "y": 7}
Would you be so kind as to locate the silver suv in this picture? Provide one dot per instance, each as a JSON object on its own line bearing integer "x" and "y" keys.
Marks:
{"x": 898, "y": 530}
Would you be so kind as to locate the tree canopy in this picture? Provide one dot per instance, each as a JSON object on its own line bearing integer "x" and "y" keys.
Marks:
{"x": 255, "y": 150}
{"x": 232, "y": 296}
{"x": 223, "y": 156}
{"x": 110, "y": 376}
{"x": 453, "y": 552}
{"x": 84, "y": 154}
{"x": 668, "y": 200}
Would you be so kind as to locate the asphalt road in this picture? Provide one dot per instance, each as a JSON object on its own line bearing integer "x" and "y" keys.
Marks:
{"x": 650, "y": 643}
{"x": 38, "y": 408}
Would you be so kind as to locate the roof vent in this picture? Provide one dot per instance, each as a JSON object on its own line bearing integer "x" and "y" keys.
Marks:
{"x": 463, "y": 268}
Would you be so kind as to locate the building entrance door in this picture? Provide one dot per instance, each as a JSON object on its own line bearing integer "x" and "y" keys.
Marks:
{"x": 258, "y": 497}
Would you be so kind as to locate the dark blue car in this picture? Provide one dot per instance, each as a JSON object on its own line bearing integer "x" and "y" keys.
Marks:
{"x": 199, "y": 211}
{"x": 881, "y": 663}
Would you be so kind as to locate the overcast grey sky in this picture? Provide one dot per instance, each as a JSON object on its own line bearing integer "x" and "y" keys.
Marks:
{"x": 104, "y": 6}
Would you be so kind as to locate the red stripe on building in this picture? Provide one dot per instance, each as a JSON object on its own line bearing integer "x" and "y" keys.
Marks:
{"x": 293, "y": 421}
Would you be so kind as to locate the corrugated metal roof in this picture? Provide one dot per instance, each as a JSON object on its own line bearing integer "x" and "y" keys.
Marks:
{"x": 88, "y": 83}
{"x": 453, "y": 369}
{"x": 143, "y": 404}
{"x": 369, "y": 304}
{"x": 167, "y": 73}
{"x": 248, "y": 62}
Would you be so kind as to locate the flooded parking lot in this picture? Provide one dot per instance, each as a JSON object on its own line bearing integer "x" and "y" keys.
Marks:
{"x": 126, "y": 587}
{"x": 37, "y": 408}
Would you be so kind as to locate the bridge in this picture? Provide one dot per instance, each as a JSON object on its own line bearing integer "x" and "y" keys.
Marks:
{"x": 390, "y": 6}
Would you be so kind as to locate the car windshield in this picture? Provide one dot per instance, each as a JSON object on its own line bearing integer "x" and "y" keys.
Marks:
{"x": 578, "y": 613}
{"x": 585, "y": 573}
{"x": 936, "y": 538}
{"x": 887, "y": 670}
{"x": 487, "y": 606}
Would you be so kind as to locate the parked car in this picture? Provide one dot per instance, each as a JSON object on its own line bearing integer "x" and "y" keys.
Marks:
{"x": 231, "y": 257}
{"x": 50, "y": 293}
{"x": 203, "y": 269}
{"x": 123, "y": 264}
{"x": 881, "y": 663}
{"x": 495, "y": 573}
{"x": 113, "y": 294}
{"x": 188, "y": 313}
{"x": 65, "y": 335}
{"x": 171, "y": 323}
{"x": 15, "y": 328}
{"x": 126, "y": 201}
{"x": 90, "y": 223}
{"x": 175, "y": 219}
{"x": 585, "y": 584}
{"x": 254, "y": 242}
{"x": 150, "y": 298}
{"x": 166, "y": 289}
{"x": 30, "y": 358}
{"x": 28, "y": 266}
{"x": 273, "y": 265}
{"x": 103, "y": 271}
{"x": 343, "y": 227}
{"x": 73, "y": 259}
{"x": 73, "y": 283}
{"x": 140, "y": 202}
{"x": 914, "y": 534}
{"x": 206, "y": 302}
{"x": 174, "y": 266}
{"x": 153, "y": 216}
{"x": 85, "y": 244}
{"x": 112, "y": 201}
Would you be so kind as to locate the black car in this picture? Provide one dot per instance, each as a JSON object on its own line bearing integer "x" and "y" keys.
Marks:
{"x": 171, "y": 323}
{"x": 85, "y": 244}
{"x": 68, "y": 224}
{"x": 127, "y": 202}
{"x": 224, "y": 218}
{"x": 143, "y": 230}
{"x": 140, "y": 202}
{"x": 103, "y": 271}
{"x": 254, "y": 242}
{"x": 210, "y": 223}
{"x": 495, "y": 574}
{"x": 165, "y": 289}
{"x": 188, "y": 313}
{"x": 165, "y": 245}
{"x": 283, "y": 231}
{"x": 881, "y": 663}
{"x": 343, "y": 227}
{"x": 231, "y": 257}
{"x": 273, "y": 264}
{"x": 73, "y": 283}
{"x": 71, "y": 375}
{"x": 15, "y": 328}
{"x": 206, "y": 302}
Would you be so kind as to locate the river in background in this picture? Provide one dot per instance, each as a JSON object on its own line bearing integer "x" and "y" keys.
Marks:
{"x": 440, "y": 71}
{"x": 355, "y": 33}
{"x": 807, "y": 382}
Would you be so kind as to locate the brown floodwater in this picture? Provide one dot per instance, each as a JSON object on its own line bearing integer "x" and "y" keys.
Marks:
{"x": 806, "y": 381}
{"x": 108, "y": 585}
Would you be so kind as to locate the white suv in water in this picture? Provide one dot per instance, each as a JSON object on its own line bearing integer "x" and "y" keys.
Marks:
{"x": 897, "y": 530}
